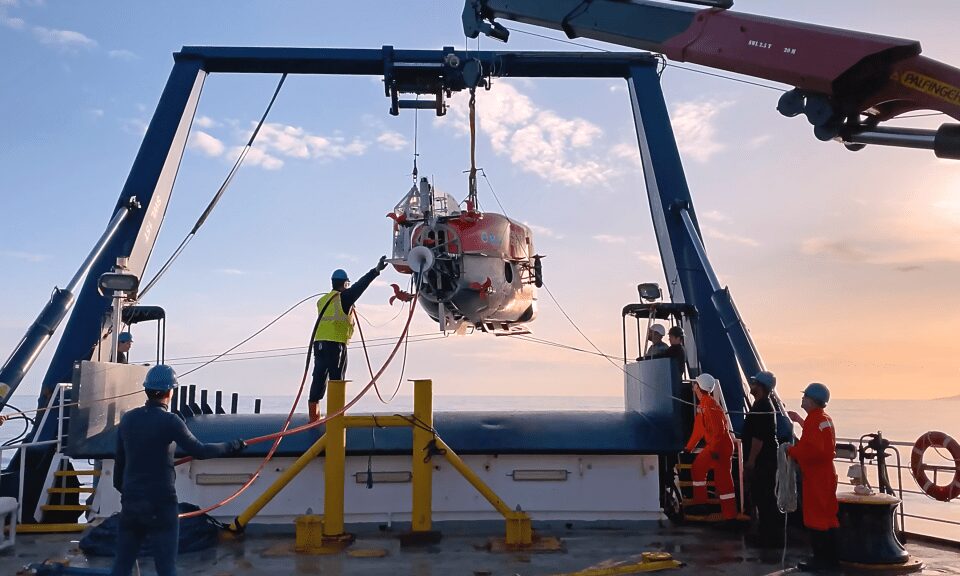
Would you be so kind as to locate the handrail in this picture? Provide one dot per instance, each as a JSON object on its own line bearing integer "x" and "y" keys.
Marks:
{"x": 57, "y": 397}
{"x": 899, "y": 467}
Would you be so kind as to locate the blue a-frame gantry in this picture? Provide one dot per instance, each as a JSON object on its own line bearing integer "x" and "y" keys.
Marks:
{"x": 722, "y": 345}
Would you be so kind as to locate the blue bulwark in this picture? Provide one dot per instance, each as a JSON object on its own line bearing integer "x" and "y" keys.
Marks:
{"x": 465, "y": 432}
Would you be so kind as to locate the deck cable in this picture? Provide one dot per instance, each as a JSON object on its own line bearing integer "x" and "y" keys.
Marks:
{"x": 216, "y": 197}
{"x": 664, "y": 62}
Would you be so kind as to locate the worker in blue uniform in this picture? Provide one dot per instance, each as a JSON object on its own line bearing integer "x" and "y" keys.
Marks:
{"x": 334, "y": 328}
{"x": 760, "y": 469}
{"x": 144, "y": 474}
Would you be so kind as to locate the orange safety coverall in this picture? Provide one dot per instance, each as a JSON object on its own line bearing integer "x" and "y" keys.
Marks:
{"x": 711, "y": 425}
{"x": 814, "y": 453}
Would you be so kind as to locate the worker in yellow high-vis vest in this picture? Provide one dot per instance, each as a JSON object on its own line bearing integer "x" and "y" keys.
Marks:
{"x": 334, "y": 329}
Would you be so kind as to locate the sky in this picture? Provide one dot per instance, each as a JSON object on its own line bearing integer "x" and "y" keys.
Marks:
{"x": 842, "y": 264}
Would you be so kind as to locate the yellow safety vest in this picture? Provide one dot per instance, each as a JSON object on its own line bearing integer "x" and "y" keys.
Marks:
{"x": 335, "y": 325}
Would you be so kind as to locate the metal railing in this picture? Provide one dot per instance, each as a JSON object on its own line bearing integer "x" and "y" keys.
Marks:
{"x": 57, "y": 399}
{"x": 896, "y": 445}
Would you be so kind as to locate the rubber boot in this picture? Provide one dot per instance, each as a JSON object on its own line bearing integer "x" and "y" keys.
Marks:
{"x": 314, "y": 408}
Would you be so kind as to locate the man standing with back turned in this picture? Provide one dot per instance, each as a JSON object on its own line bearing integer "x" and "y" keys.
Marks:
{"x": 334, "y": 328}
{"x": 760, "y": 470}
{"x": 144, "y": 474}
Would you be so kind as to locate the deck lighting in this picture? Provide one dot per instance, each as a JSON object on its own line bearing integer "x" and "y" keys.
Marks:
{"x": 222, "y": 479}
{"x": 384, "y": 477}
{"x": 649, "y": 291}
{"x": 539, "y": 475}
{"x": 117, "y": 282}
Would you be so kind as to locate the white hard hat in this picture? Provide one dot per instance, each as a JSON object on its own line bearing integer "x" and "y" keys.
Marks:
{"x": 659, "y": 329}
{"x": 706, "y": 382}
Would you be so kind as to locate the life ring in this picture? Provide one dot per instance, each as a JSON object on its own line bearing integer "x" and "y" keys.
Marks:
{"x": 936, "y": 440}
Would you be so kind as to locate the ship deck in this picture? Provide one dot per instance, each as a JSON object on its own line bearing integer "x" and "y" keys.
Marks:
{"x": 464, "y": 551}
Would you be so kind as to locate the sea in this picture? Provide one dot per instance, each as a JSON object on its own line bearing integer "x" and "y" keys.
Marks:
{"x": 901, "y": 421}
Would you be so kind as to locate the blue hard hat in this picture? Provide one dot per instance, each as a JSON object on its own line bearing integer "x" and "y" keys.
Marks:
{"x": 339, "y": 274}
{"x": 125, "y": 337}
{"x": 817, "y": 392}
{"x": 765, "y": 379}
{"x": 161, "y": 377}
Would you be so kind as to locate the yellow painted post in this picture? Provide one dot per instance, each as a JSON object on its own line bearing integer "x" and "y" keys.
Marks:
{"x": 471, "y": 477}
{"x": 241, "y": 521}
{"x": 422, "y": 471}
{"x": 519, "y": 528}
{"x": 335, "y": 460}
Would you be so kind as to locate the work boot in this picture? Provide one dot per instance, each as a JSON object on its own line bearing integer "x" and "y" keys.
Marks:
{"x": 811, "y": 565}
{"x": 697, "y": 510}
{"x": 314, "y": 408}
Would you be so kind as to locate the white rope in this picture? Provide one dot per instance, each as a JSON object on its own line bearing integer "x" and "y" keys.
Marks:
{"x": 786, "y": 489}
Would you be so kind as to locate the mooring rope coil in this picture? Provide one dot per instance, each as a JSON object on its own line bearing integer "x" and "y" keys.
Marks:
{"x": 786, "y": 488}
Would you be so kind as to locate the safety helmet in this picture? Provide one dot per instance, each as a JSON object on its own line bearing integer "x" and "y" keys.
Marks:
{"x": 339, "y": 275}
{"x": 125, "y": 337}
{"x": 161, "y": 377}
{"x": 765, "y": 379}
{"x": 659, "y": 329}
{"x": 706, "y": 382}
{"x": 676, "y": 332}
{"x": 818, "y": 393}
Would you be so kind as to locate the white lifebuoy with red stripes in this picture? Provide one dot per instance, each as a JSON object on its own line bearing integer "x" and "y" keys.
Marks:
{"x": 944, "y": 493}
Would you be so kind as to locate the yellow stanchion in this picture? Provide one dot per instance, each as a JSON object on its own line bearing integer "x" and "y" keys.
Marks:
{"x": 335, "y": 460}
{"x": 519, "y": 528}
{"x": 422, "y": 468}
{"x": 241, "y": 521}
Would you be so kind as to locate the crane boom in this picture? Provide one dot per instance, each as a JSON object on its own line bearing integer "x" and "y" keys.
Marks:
{"x": 845, "y": 82}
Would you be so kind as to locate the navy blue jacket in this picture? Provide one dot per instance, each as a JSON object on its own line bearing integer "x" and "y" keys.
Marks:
{"x": 349, "y": 296}
{"x": 143, "y": 469}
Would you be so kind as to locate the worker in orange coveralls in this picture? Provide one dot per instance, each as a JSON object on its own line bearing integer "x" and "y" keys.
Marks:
{"x": 814, "y": 453}
{"x": 712, "y": 426}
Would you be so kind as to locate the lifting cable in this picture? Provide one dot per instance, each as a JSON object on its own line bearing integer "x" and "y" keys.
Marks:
{"x": 598, "y": 352}
{"x": 216, "y": 197}
{"x": 251, "y": 337}
{"x": 403, "y": 367}
{"x": 287, "y": 431}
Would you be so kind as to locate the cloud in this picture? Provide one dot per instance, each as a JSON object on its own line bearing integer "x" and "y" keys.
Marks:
{"x": 63, "y": 38}
{"x": 649, "y": 258}
{"x": 905, "y": 231}
{"x": 711, "y": 232}
{"x": 838, "y": 249}
{"x": 543, "y": 231}
{"x": 759, "y": 141}
{"x": 122, "y": 55}
{"x": 136, "y": 126}
{"x": 392, "y": 141}
{"x": 609, "y": 239}
{"x": 204, "y": 122}
{"x": 257, "y": 157}
{"x": 205, "y": 143}
{"x": 693, "y": 126}
{"x": 27, "y": 256}
{"x": 295, "y": 142}
{"x": 628, "y": 152}
{"x": 96, "y": 112}
{"x": 11, "y": 21}
{"x": 232, "y": 271}
{"x": 714, "y": 216}
{"x": 345, "y": 256}
{"x": 537, "y": 140}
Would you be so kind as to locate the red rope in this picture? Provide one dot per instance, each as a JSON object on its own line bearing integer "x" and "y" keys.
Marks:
{"x": 278, "y": 436}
